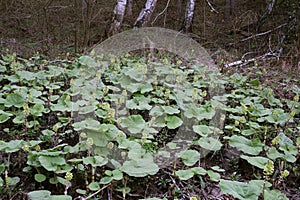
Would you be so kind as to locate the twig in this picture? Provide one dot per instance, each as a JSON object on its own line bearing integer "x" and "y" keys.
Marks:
{"x": 174, "y": 182}
{"x": 162, "y": 12}
{"x": 94, "y": 194}
{"x": 211, "y": 7}
{"x": 263, "y": 33}
{"x": 48, "y": 4}
{"x": 57, "y": 8}
{"x": 248, "y": 53}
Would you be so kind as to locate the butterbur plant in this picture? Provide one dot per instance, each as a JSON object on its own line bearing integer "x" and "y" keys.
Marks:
{"x": 68, "y": 184}
{"x": 115, "y": 124}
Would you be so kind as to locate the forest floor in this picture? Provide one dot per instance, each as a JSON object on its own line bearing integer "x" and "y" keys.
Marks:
{"x": 28, "y": 27}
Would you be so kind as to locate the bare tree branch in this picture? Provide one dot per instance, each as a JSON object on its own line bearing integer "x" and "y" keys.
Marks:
{"x": 162, "y": 12}
{"x": 263, "y": 33}
{"x": 211, "y": 6}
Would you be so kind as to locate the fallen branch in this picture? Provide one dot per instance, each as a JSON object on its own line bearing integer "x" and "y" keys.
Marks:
{"x": 264, "y": 33}
{"x": 245, "y": 62}
{"x": 211, "y": 7}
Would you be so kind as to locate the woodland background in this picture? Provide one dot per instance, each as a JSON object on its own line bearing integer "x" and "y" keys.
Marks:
{"x": 230, "y": 29}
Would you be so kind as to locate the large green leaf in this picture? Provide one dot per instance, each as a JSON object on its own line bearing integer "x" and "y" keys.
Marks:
{"x": 14, "y": 100}
{"x": 252, "y": 147}
{"x": 139, "y": 102}
{"x": 94, "y": 186}
{"x": 184, "y": 174}
{"x": 199, "y": 170}
{"x": 274, "y": 194}
{"x": 4, "y": 116}
{"x": 105, "y": 180}
{"x": 273, "y": 154}
{"x": 12, "y": 181}
{"x": 203, "y": 130}
{"x": 133, "y": 73}
{"x": 37, "y": 110}
{"x": 200, "y": 113}
{"x": 139, "y": 167}
{"x": 20, "y": 118}
{"x": 11, "y": 146}
{"x": 190, "y": 157}
{"x": 51, "y": 163}
{"x": 209, "y": 143}
{"x": 134, "y": 123}
{"x": 95, "y": 161}
{"x": 87, "y": 61}
{"x": 39, "y": 195}
{"x": 256, "y": 161}
{"x": 27, "y": 75}
{"x": 214, "y": 176}
{"x": 170, "y": 110}
{"x": 60, "y": 197}
{"x": 39, "y": 177}
{"x": 240, "y": 190}
{"x": 173, "y": 122}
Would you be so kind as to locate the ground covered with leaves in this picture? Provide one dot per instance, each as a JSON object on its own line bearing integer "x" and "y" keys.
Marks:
{"x": 138, "y": 127}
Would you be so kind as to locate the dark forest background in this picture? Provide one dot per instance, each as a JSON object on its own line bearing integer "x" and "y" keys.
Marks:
{"x": 230, "y": 30}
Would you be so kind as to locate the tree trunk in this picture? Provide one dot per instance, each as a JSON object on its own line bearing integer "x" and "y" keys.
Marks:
{"x": 117, "y": 19}
{"x": 229, "y": 9}
{"x": 145, "y": 14}
{"x": 77, "y": 10}
{"x": 129, "y": 7}
{"x": 179, "y": 8}
{"x": 189, "y": 15}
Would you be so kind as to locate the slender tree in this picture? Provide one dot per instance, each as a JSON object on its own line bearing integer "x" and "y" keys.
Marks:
{"x": 189, "y": 15}
{"x": 129, "y": 7}
{"x": 118, "y": 16}
{"x": 145, "y": 14}
{"x": 229, "y": 9}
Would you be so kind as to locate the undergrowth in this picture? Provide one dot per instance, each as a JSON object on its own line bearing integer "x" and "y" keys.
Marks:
{"x": 135, "y": 127}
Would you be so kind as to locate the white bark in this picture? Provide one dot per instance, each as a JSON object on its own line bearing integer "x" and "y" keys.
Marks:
{"x": 271, "y": 6}
{"x": 145, "y": 13}
{"x": 189, "y": 14}
{"x": 119, "y": 12}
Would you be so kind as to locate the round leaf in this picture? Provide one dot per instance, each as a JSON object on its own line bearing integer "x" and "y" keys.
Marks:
{"x": 39, "y": 177}
{"x": 190, "y": 157}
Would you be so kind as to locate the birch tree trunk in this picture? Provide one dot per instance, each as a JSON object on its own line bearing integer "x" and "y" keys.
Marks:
{"x": 145, "y": 14}
{"x": 270, "y": 6}
{"x": 117, "y": 19}
{"x": 188, "y": 18}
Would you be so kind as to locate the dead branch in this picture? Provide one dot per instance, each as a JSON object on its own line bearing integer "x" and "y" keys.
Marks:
{"x": 162, "y": 12}
{"x": 266, "y": 56}
{"x": 211, "y": 7}
{"x": 263, "y": 33}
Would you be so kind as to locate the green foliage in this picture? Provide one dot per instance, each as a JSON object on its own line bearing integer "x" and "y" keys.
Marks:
{"x": 68, "y": 121}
